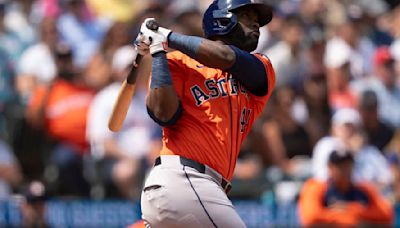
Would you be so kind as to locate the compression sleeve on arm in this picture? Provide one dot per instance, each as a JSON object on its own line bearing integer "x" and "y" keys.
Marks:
{"x": 161, "y": 75}
{"x": 186, "y": 44}
{"x": 250, "y": 72}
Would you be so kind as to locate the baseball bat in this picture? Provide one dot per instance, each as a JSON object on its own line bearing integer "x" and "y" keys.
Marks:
{"x": 126, "y": 92}
{"x": 124, "y": 99}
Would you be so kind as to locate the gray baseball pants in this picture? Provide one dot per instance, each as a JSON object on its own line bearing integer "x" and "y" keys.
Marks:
{"x": 176, "y": 195}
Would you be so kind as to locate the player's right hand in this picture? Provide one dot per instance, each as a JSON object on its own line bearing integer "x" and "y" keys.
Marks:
{"x": 157, "y": 39}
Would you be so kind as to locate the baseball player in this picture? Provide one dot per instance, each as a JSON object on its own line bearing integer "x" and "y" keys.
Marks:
{"x": 206, "y": 95}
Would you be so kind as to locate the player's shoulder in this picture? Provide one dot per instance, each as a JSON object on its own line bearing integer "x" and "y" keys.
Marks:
{"x": 177, "y": 57}
{"x": 264, "y": 58}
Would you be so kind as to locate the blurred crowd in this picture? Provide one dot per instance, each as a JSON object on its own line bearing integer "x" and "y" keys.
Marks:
{"x": 62, "y": 62}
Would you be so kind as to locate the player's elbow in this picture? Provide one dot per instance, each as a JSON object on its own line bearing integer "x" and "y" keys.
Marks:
{"x": 222, "y": 57}
{"x": 164, "y": 113}
{"x": 227, "y": 55}
{"x": 165, "y": 118}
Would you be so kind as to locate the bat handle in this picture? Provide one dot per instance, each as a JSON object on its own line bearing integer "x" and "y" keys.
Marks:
{"x": 131, "y": 79}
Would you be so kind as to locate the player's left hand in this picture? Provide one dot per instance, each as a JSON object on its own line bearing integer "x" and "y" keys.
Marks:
{"x": 140, "y": 45}
{"x": 156, "y": 39}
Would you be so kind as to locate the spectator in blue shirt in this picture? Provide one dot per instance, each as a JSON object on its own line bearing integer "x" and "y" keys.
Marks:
{"x": 81, "y": 31}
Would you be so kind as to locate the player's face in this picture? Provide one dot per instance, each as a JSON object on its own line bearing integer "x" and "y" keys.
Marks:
{"x": 245, "y": 35}
{"x": 248, "y": 21}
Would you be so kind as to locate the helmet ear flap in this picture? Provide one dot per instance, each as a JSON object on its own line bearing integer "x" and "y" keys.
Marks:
{"x": 224, "y": 21}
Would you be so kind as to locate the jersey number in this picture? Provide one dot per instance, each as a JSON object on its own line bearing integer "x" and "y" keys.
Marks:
{"x": 244, "y": 119}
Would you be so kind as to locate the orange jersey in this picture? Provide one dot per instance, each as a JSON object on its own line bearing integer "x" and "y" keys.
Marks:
{"x": 218, "y": 113}
{"x": 65, "y": 112}
{"x": 313, "y": 212}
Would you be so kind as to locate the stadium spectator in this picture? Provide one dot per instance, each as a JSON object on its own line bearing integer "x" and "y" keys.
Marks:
{"x": 98, "y": 70}
{"x": 338, "y": 75}
{"x": 10, "y": 43}
{"x": 385, "y": 85}
{"x": 187, "y": 18}
{"x": 352, "y": 42}
{"x": 370, "y": 164}
{"x": 37, "y": 66}
{"x": 23, "y": 18}
{"x": 80, "y": 30}
{"x": 318, "y": 118}
{"x": 121, "y": 155}
{"x": 379, "y": 134}
{"x": 285, "y": 137}
{"x": 10, "y": 174}
{"x": 287, "y": 56}
{"x": 61, "y": 108}
{"x": 340, "y": 202}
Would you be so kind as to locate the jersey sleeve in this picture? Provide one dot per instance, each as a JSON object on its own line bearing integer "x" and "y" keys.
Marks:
{"x": 260, "y": 102}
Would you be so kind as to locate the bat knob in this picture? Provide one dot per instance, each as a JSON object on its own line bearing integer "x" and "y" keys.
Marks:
{"x": 152, "y": 25}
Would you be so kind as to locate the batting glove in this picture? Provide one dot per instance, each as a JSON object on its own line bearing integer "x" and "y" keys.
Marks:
{"x": 141, "y": 46}
{"x": 157, "y": 39}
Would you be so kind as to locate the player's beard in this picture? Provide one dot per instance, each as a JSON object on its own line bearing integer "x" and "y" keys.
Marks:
{"x": 247, "y": 42}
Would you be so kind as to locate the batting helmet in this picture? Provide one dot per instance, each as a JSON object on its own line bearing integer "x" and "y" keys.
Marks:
{"x": 220, "y": 20}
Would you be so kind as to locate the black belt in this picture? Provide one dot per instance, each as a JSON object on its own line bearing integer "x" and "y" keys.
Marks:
{"x": 200, "y": 168}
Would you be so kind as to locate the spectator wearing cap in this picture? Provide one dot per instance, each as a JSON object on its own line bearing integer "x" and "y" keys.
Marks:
{"x": 339, "y": 76}
{"x": 341, "y": 202}
{"x": 379, "y": 134}
{"x": 350, "y": 43}
{"x": 120, "y": 163}
{"x": 60, "y": 108}
{"x": 384, "y": 84}
{"x": 347, "y": 134}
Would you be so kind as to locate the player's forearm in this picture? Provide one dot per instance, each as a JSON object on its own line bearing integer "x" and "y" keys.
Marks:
{"x": 210, "y": 53}
{"x": 162, "y": 102}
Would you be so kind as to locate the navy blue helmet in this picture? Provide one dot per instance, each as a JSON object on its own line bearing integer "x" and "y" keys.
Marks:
{"x": 220, "y": 20}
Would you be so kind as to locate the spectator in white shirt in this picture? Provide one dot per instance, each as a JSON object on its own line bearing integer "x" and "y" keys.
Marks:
{"x": 120, "y": 154}
{"x": 360, "y": 49}
{"x": 37, "y": 65}
{"x": 370, "y": 164}
{"x": 287, "y": 56}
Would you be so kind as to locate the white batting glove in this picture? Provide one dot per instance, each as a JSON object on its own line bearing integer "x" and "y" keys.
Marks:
{"x": 141, "y": 46}
{"x": 158, "y": 40}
